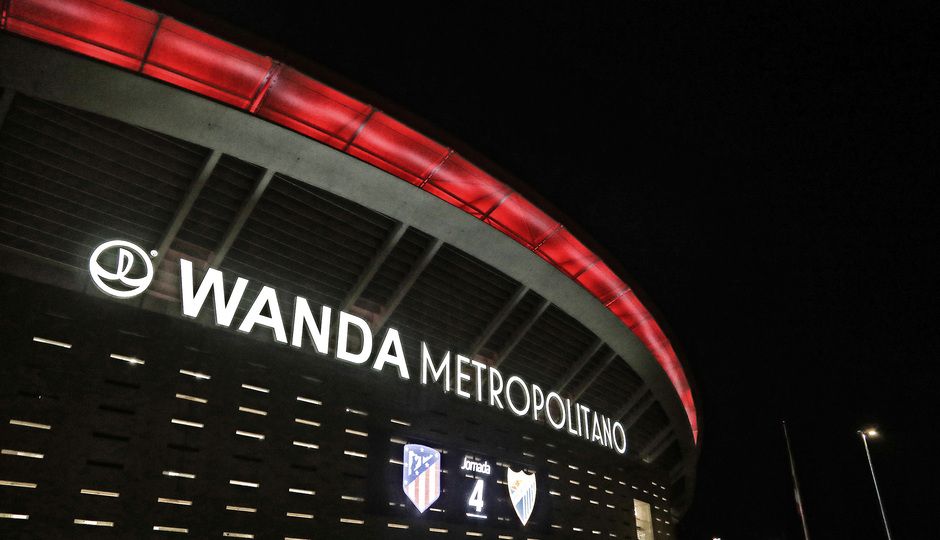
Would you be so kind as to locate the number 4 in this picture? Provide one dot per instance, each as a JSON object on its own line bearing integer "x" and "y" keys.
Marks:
{"x": 476, "y": 496}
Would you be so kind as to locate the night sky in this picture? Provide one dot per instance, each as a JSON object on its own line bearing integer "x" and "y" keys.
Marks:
{"x": 765, "y": 175}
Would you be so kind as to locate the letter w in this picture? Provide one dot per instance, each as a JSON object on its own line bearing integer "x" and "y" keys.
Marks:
{"x": 192, "y": 305}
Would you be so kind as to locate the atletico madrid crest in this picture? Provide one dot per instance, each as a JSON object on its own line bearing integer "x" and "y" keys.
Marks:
{"x": 421, "y": 475}
{"x": 521, "y": 493}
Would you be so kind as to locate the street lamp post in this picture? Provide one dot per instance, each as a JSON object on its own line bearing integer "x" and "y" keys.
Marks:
{"x": 866, "y": 433}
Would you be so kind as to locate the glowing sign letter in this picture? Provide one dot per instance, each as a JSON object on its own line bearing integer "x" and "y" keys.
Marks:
{"x": 192, "y": 303}
{"x": 476, "y": 496}
{"x": 342, "y": 342}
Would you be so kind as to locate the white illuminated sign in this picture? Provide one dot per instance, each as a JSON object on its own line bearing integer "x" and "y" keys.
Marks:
{"x": 127, "y": 255}
{"x": 308, "y": 326}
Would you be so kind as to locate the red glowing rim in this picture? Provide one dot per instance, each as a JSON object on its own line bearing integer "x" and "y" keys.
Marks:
{"x": 146, "y": 42}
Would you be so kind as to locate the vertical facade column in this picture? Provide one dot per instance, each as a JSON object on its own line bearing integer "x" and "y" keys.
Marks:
{"x": 423, "y": 261}
{"x": 521, "y": 332}
{"x": 264, "y": 179}
{"x": 579, "y": 364}
{"x": 593, "y": 376}
{"x": 391, "y": 240}
{"x": 199, "y": 182}
{"x": 498, "y": 320}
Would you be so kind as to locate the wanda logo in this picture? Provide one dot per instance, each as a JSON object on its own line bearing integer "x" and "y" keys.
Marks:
{"x": 121, "y": 269}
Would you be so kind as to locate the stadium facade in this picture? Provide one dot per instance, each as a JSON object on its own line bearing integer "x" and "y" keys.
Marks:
{"x": 237, "y": 302}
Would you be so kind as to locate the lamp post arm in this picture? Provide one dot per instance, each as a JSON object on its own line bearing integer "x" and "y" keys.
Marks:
{"x": 874, "y": 480}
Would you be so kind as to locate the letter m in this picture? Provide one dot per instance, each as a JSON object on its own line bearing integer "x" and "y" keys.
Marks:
{"x": 441, "y": 371}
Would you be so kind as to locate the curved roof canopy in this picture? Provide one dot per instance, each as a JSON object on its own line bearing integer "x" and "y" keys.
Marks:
{"x": 137, "y": 39}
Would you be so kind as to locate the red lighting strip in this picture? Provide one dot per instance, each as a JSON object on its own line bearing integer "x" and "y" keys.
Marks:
{"x": 128, "y": 36}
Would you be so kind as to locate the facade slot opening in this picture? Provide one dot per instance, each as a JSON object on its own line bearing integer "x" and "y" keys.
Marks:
{"x": 93, "y": 523}
{"x": 177, "y": 474}
{"x": 306, "y": 445}
{"x": 129, "y": 359}
{"x": 180, "y": 502}
{"x": 196, "y": 374}
{"x": 25, "y": 423}
{"x": 13, "y": 483}
{"x": 54, "y": 343}
{"x": 243, "y": 483}
{"x": 21, "y": 453}
{"x": 100, "y": 493}
{"x": 164, "y": 528}
{"x": 188, "y": 423}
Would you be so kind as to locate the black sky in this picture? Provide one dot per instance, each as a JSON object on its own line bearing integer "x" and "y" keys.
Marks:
{"x": 766, "y": 174}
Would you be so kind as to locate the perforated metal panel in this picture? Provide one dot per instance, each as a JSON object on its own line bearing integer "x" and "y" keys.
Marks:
{"x": 650, "y": 424}
{"x": 215, "y": 210}
{"x": 453, "y": 300}
{"x": 306, "y": 241}
{"x": 517, "y": 318}
{"x": 613, "y": 387}
{"x": 394, "y": 270}
{"x": 547, "y": 351}
{"x": 71, "y": 180}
